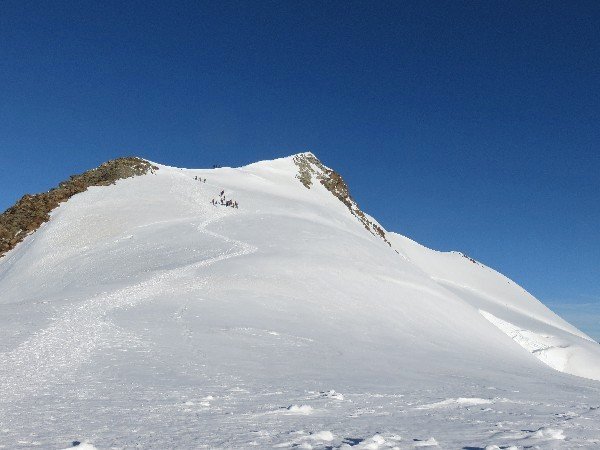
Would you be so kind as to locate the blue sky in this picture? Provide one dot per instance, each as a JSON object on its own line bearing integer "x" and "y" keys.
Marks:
{"x": 471, "y": 126}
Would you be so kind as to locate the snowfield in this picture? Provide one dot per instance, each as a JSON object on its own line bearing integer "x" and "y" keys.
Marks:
{"x": 143, "y": 316}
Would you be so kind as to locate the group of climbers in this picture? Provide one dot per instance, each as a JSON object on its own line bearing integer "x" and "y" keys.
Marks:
{"x": 223, "y": 201}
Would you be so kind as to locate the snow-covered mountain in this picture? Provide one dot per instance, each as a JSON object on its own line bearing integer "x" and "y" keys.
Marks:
{"x": 148, "y": 314}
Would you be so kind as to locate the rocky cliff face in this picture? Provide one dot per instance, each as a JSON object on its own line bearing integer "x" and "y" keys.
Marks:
{"x": 31, "y": 211}
{"x": 310, "y": 167}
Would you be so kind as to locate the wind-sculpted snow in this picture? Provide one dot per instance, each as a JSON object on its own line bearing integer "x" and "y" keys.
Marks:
{"x": 559, "y": 353}
{"x": 142, "y": 315}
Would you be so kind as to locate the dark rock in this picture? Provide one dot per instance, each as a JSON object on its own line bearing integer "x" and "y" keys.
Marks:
{"x": 309, "y": 166}
{"x": 31, "y": 211}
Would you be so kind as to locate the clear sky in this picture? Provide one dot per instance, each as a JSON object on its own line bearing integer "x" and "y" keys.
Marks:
{"x": 471, "y": 126}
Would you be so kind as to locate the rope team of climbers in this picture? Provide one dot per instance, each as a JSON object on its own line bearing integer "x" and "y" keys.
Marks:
{"x": 224, "y": 202}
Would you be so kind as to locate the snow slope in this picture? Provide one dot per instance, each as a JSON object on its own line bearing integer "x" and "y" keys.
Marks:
{"x": 514, "y": 311}
{"x": 142, "y": 315}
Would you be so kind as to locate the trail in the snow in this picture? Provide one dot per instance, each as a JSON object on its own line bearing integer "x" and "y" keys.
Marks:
{"x": 52, "y": 353}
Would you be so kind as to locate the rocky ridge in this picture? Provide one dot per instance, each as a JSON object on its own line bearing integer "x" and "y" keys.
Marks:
{"x": 31, "y": 211}
{"x": 309, "y": 166}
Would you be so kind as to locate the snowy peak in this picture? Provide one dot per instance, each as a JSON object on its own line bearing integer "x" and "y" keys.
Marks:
{"x": 237, "y": 325}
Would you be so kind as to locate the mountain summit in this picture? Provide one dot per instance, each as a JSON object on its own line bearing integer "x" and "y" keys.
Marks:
{"x": 260, "y": 307}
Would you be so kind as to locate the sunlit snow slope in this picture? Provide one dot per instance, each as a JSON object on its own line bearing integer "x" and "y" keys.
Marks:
{"x": 143, "y": 315}
{"x": 508, "y": 306}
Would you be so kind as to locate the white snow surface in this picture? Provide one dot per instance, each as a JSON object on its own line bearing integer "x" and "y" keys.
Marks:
{"x": 142, "y": 316}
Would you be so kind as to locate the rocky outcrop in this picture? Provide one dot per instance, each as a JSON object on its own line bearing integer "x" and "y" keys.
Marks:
{"x": 310, "y": 167}
{"x": 31, "y": 211}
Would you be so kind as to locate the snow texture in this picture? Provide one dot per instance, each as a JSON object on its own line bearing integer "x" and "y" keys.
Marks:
{"x": 144, "y": 316}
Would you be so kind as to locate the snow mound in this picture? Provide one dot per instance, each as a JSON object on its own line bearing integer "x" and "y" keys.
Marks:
{"x": 81, "y": 446}
{"x": 549, "y": 433}
{"x": 333, "y": 394}
{"x": 376, "y": 442}
{"x": 431, "y": 442}
{"x": 461, "y": 401}
{"x": 300, "y": 409}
